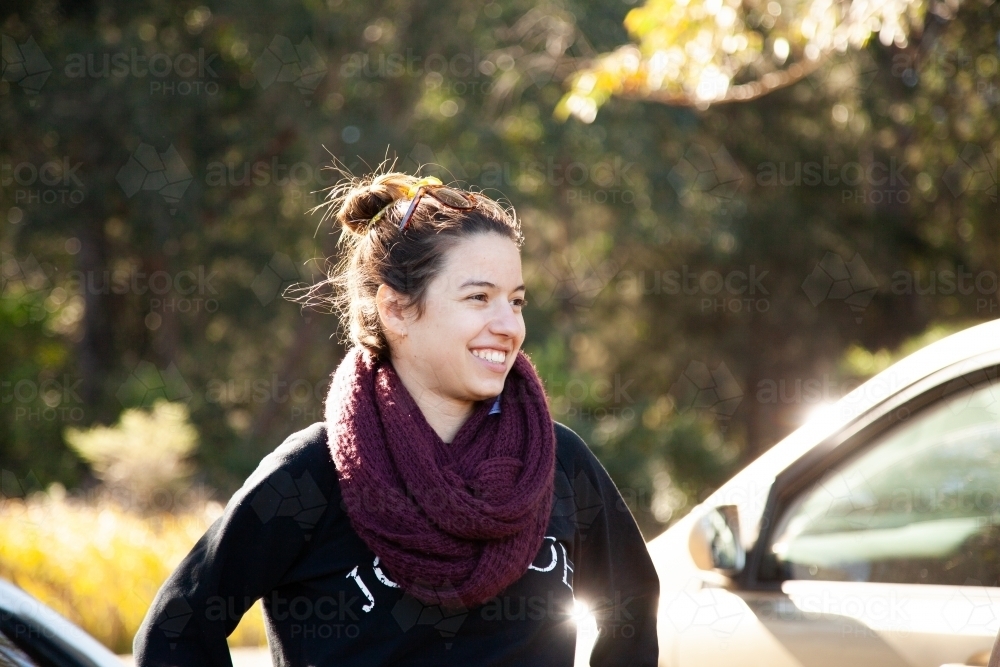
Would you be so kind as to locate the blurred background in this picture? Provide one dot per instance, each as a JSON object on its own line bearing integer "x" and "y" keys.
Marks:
{"x": 734, "y": 213}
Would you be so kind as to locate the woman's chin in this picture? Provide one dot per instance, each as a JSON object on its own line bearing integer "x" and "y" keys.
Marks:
{"x": 485, "y": 390}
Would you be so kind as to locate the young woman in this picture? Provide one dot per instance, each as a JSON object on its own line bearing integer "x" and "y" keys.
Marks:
{"x": 438, "y": 516}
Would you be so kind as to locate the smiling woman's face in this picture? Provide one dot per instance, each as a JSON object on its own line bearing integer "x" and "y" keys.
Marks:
{"x": 462, "y": 347}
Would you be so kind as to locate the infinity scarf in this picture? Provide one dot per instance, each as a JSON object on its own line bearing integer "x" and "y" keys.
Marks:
{"x": 453, "y": 523}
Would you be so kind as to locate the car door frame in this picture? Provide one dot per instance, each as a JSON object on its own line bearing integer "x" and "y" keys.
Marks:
{"x": 851, "y": 440}
{"x": 854, "y": 439}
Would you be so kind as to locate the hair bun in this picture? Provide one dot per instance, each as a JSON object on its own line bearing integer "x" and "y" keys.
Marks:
{"x": 364, "y": 199}
{"x": 359, "y": 207}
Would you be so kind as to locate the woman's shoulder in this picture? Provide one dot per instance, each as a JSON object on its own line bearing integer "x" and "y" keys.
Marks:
{"x": 305, "y": 451}
{"x": 567, "y": 440}
{"x": 582, "y": 480}
{"x": 572, "y": 452}
{"x": 308, "y": 443}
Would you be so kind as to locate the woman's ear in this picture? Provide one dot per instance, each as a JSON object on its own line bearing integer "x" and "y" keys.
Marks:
{"x": 391, "y": 311}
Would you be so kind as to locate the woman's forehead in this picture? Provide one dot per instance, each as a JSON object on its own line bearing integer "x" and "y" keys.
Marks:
{"x": 484, "y": 258}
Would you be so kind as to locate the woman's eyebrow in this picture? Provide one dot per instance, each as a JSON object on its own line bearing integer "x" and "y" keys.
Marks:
{"x": 484, "y": 283}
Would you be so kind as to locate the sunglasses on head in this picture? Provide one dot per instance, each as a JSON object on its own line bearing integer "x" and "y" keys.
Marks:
{"x": 450, "y": 197}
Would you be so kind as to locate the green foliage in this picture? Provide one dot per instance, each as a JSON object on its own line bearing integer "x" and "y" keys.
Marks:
{"x": 142, "y": 454}
{"x": 467, "y": 91}
{"x": 696, "y": 52}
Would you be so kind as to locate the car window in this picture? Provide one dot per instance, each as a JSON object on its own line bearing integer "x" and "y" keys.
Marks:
{"x": 12, "y": 656}
{"x": 921, "y": 504}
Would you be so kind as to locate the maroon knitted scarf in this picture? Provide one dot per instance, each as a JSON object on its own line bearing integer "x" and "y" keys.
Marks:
{"x": 452, "y": 523}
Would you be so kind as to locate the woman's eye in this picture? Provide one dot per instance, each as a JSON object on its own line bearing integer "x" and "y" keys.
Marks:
{"x": 520, "y": 303}
{"x": 478, "y": 296}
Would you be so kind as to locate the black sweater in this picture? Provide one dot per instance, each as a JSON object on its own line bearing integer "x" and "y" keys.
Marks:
{"x": 285, "y": 537}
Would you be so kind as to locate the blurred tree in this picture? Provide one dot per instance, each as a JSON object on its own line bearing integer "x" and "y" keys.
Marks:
{"x": 145, "y": 454}
{"x": 171, "y": 218}
{"x": 699, "y": 52}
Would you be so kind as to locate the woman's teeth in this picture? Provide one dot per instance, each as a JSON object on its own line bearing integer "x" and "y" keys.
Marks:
{"x": 495, "y": 356}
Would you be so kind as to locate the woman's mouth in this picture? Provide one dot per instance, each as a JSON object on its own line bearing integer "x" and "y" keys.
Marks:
{"x": 492, "y": 359}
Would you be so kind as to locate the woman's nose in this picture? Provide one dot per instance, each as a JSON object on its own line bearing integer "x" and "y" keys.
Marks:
{"x": 506, "y": 321}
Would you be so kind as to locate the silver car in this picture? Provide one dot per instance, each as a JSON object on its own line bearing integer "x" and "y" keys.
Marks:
{"x": 868, "y": 537}
{"x": 33, "y": 635}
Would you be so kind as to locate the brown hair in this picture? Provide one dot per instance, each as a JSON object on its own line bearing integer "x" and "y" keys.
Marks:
{"x": 378, "y": 253}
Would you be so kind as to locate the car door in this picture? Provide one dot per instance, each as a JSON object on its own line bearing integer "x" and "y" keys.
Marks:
{"x": 881, "y": 547}
{"x": 11, "y": 655}
{"x": 34, "y": 635}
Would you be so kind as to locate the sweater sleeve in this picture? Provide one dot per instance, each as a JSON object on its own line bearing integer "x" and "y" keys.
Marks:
{"x": 614, "y": 573}
{"x": 240, "y": 558}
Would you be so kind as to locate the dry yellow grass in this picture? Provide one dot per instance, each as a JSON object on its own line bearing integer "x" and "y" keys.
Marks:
{"x": 100, "y": 565}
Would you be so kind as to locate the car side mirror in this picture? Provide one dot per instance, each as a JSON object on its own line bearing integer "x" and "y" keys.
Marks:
{"x": 715, "y": 543}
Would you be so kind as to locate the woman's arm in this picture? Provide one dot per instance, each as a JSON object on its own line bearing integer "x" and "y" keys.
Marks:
{"x": 614, "y": 574}
{"x": 241, "y": 557}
